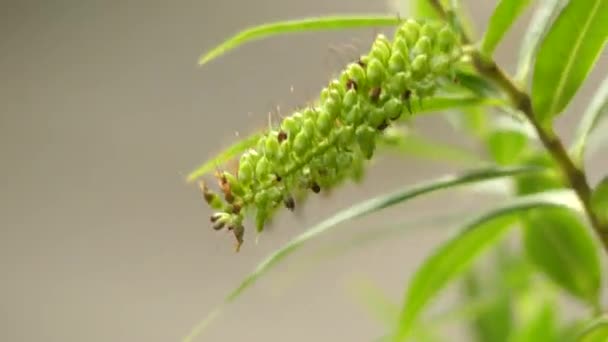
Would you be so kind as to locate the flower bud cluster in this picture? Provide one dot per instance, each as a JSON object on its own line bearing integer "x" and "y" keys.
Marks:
{"x": 322, "y": 145}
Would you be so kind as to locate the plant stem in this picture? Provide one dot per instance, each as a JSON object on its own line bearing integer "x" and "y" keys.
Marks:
{"x": 576, "y": 178}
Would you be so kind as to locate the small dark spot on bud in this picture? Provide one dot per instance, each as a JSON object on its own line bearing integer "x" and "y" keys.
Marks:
{"x": 277, "y": 177}
{"x": 361, "y": 63}
{"x": 315, "y": 187}
{"x": 239, "y": 232}
{"x": 406, "y": 97}
{"x": 208, "y": 197}
{"x": 215, "y": 217}
{"x": 236, "y": 208}
{"x": 219, "y": 225}
{"x": 374, "y": 94}
{"x": 289, "y": 203}
{"x": 456, "y": 80}
{"x": 350, "y": 84}
{"x": 282, "y": 136}
{"x": 229, "y": 197}
{"x": 383, "y": 126}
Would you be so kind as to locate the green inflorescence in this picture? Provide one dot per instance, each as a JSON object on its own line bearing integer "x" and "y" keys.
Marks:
{"x": 322, "y": 145}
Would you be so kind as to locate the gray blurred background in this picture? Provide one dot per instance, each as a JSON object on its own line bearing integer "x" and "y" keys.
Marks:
{"x": 102, "y": 113}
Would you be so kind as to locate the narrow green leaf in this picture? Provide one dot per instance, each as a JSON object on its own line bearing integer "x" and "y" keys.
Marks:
{"x": 599, "y": 201}
{"x": 595, "y": 331}
{"x": 449, "y": 260}
{"x": 595, "y": 113}
{"x": 224, "y": 156}
{"x": 567, "y": 55}
{"x": 504, "y": 16}
{"x": 299, "y": 25}
{"x": 562, "y": 247}
{"x": 542, "y": 19}
{"x": 356, "y": 211}
{"x": 454, "y": 256}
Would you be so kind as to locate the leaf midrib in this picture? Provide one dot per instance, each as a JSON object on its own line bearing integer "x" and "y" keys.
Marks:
{"x": 570, "y": 63}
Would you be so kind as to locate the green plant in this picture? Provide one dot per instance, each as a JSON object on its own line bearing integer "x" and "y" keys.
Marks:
{"x": 432, "y": 65}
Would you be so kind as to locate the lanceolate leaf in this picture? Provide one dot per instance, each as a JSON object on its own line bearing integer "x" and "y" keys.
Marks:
{"x": 546, "y": 11}
{"x": 229, "y": 153}
{"x": 563, "y": 248}
{"x": 454, "y": 256}
{"x": 595, "y": 113}
{"x": 353, "y": 212}
{"x": 595, "y": 331}
{"x": 503, "y": 17}
{"x": 567, "y": 55}
{"x": 301, "y": 25}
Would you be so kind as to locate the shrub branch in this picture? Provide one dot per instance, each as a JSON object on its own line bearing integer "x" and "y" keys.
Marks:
{"x": 575, "y": 176}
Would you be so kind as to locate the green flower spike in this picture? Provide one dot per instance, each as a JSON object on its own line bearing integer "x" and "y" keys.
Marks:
{"x": 327, "y": 143}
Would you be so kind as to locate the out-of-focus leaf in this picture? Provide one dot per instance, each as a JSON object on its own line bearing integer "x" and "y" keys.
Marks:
{"x": 505, "y": 14}
{"x": 599, "y": 200}
{"x": 544, "y": 15}
{"x": 445, "y": 264}
{"x": 567, "y": 55}
{"x": 516, "y": 124}
{"x": 595, "y": 331}
{"x": 439, "y": 103}
{"x": 454, "y": 256}
{"x": 542, "y": 181}
{"x": 224, "y": 156}
{"x": 412, "y": 144}
{"x": 358, "y": 210}
{"x": 536, "y": 315}
{"x": 505, "y": 278}
{"x": 377, "y": 303}
{"x": 423, "y": 9}
{"x": 595, "y": 113}
{"x": 474, "y": 83}
{"x": 462, "y": 20}
{"x": 570, "y": 331}
{"x": 294, "y": 26}
{"x": 494, "y": 323}
{"x": 597, "y": 141}
{"x": 562, "y": 247}
{"x": 506, "y": 146}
